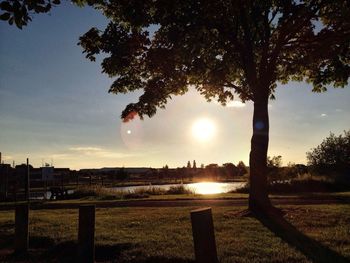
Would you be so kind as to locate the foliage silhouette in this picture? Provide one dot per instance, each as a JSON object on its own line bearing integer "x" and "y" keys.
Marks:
{"x": 222, "y": 48}
{"x": 332, "y": 155}
{"x": 242, "y": 169}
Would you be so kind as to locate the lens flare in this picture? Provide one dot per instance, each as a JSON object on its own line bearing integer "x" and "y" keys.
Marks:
{"x": 131, "y": 133}
{"x": 203, "y": 129}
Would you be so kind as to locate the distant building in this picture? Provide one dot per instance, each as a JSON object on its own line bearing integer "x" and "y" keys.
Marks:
{"x": 47, "y": 173}
{"x": 129, "y": 170}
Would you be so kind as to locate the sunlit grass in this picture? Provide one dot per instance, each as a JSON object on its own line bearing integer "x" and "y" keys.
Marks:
{"x": 165, "y": 233}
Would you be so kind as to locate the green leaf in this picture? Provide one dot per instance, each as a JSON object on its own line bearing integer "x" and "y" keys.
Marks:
{"x": 18, "y": 23}
{"x": 5, "y": 16}
{"x": 6, "y": 6}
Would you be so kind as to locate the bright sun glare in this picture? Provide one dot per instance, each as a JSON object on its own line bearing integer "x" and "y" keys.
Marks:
{"x": 203, "y": 129}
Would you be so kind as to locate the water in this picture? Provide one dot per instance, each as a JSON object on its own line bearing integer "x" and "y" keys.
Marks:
{"x": 198, "y": 188}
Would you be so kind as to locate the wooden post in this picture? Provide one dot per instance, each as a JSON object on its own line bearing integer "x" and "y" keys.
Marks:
{"x": 27, "y": 182}
{"x": 203, "y": 236}
{"x": 15, "y": 189}
{"x": 21, "y": 228}
{"x": 45, "y": 189}
{"x": 86, "y": 234}
{"x": 6, "y": 182}
{"x": 62, "y": 182}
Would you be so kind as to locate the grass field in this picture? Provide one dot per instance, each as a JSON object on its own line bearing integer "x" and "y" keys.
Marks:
{"x": 164, "y": 235}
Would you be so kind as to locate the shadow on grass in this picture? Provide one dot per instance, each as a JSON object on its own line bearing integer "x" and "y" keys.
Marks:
{"x": 40, "y": 242}
{"x": 67, "y": 252}
{"x": 111, "y": 252}
{"x": 61, "y": 252}
{"x": 44, "y": 249}
{"x": 6, "y": 240}
{"x": 163, "y": 260}
{"x": 313, "y": 250}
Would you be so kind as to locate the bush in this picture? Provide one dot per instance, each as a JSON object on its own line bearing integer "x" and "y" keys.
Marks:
{"x": 180, "y": 189}
{"x": 150, "y": 191}
{"x": 104, "y": 193}
{"x": 132, "y": 195}
{"x": 332, "y": 156}
{"x": 302, "y": 186}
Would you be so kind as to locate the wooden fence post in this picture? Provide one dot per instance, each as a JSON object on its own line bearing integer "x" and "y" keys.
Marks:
{"x": 27, "y": 182}
{"x": 203, "y": 236}
{"x": 86, "y": 234}
{"x": 6, "y": 182}
{"x": 77, "y": 176}
{"x": 21, "y": 228}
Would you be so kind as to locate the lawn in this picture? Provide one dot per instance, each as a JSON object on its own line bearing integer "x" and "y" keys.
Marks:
{"x": 164, "y": 234}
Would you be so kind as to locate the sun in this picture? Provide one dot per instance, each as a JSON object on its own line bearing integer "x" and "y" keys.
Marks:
{"x": 203, "y": 129}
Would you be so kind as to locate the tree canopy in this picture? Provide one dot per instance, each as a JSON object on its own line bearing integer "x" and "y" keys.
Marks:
{"x": 221, "y": 48}
{"x": 332, "y": 155}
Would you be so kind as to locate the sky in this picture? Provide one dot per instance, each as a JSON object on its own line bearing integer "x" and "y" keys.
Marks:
{"x": 55, "y": 108}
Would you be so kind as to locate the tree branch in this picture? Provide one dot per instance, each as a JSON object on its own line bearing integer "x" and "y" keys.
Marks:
{"x": 233, "y": 86}
{"x": 247, "y": 56}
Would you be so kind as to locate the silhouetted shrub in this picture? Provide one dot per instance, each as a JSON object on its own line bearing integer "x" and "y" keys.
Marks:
{"x": 302, "y": 186}
{"x": 331, "y": 157}
{"x": 180, "y": 189}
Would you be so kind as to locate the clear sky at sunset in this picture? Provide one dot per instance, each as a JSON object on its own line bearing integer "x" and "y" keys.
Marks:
{"x": 54, "y": 105}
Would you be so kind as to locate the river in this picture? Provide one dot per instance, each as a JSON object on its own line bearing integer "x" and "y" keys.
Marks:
{"x": 198, "y": 188}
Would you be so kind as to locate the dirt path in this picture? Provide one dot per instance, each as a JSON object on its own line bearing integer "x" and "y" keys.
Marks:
{"x": 185, "y": 202}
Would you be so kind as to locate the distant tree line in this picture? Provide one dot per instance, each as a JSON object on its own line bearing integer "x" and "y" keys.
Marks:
{"x": 277, "y": 172}
{"x": 211, "y": 171}
{"x": 330, "y": 159}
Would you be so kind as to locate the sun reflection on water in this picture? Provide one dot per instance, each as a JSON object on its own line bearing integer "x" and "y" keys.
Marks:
{"x": 202, "y": 188}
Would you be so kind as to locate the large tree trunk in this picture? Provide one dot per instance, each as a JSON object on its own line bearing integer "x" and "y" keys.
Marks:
{"x": 258, "y": 196}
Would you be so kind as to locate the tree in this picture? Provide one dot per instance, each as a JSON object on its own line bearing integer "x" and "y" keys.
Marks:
{"x": 122, "y": 174}
{"x": 332, "y": 155}
{"x": 194, "y": 166}
{"x": 231, "y": 169}
{"x": 211, "y": 170}
{"x": 222, "y": 49}
{"x": 165, "y": 171}
{"x": 274, "y": 165}
{"x": 294, "y": 170}
{"x": 19, "y": 12}
{"x": 274, "y": 161}
{"x": 242, "y": 168}
{"x": 188, "y": 165}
